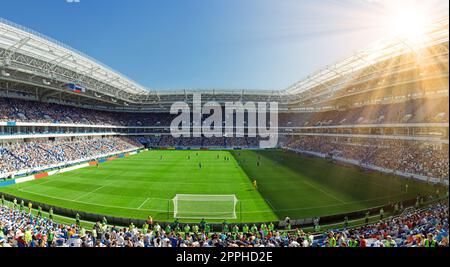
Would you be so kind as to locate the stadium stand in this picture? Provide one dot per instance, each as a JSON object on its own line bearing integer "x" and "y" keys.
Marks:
{"x": 422, "y": 110}
{"x": 38, "y": 154}
{"x": 405, "y": 156}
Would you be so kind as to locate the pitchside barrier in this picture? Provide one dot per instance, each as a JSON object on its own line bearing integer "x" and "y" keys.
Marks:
{"x": 119, "y": 221}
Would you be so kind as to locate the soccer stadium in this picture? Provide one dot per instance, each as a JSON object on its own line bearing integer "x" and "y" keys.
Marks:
{"x": 88, "y": 157}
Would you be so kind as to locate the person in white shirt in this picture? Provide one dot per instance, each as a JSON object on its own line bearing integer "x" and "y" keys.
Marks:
{"x": 378, "y": 243}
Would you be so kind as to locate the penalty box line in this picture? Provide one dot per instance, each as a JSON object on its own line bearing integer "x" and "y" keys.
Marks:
{"x": 143, "y": 203}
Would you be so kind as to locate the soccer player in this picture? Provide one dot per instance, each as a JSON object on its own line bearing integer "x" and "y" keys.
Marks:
{"x": 150, "y": 221}
{"x": 366, "y": 220}
{"x": 175, "y": 223}
{"x": 406, "y": 188}
{"x": 202, "y": 224}
{"x": 50, "y": 214}
{"x": 235, "y": 229}
{"x": 381, "y": 214}
{"x": 145, "y": 228}
{"x": 225, "y": 228}
{"x": 263, "y": 228}
{"x": 255, "y": 184}
{"x": 195, "y": 229}
{"x": 187, "y": 229}
{"x": 3, "y": 200}
{"x": 14, "y": 203}
{"x": 157, "y": 227}
{"x": 168, "y": 229}
{"x": 257, "y": 163}
{"x": 50, "y": 237}
{"x": 345, "y": 221}
{"x": 39, "y": 214}
{"x": 245, "y": 229}
{"x": 316, "y": 224}
{"x": 97, "y": 164}
{"x": 77, "y": 219}
{"x": 22, "y": 205}
{"x": 30, "y": 206}
{"x": 199, "y": 165}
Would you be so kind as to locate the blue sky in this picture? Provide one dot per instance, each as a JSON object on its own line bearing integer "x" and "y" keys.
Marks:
{"x": 232, "y": 44}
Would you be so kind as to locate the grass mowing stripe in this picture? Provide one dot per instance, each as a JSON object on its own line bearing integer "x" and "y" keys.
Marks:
{"x": 323, "y": 191}
{"x": 90, "y": 192}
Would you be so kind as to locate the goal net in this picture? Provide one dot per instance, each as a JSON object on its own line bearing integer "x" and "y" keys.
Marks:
{"x": 205, "y": 206}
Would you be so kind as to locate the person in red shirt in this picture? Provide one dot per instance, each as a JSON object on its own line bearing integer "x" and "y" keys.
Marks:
{"x": 362, "y": 242}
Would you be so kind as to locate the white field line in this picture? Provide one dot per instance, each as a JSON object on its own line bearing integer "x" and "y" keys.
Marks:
{"x": 29, "y": 186}
{"x": 145, "y": 201}
{"x": 270, "y": 204}
{"x": 90, "y": 192}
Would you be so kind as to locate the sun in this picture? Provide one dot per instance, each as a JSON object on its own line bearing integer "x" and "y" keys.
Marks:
{"x": 407, "y": 21}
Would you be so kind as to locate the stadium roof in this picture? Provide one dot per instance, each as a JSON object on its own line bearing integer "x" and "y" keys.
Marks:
{"x": 18, "y": 39}
{"x": 40, "y": 56}
{"x": 380, "y": 51}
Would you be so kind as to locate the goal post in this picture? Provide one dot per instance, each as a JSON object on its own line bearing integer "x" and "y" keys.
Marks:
{"x": 187, "y": 206}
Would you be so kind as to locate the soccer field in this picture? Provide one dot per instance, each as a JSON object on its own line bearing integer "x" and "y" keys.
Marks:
{"x": 288, "y": 185}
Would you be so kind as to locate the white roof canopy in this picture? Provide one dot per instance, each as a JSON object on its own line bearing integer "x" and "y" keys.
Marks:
{"x": 17, "y": 39}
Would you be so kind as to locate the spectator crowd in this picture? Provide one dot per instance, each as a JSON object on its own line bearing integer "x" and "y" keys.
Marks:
{"x": 420, "y": 228}
{"x": 405, "y": 156}
{"x": 412, "y": 111}
{"x": 37, "y": 154}
{"x": 170, "y": 141}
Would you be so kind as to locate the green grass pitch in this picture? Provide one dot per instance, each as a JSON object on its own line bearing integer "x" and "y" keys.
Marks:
{"x": 288, "y": 185}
